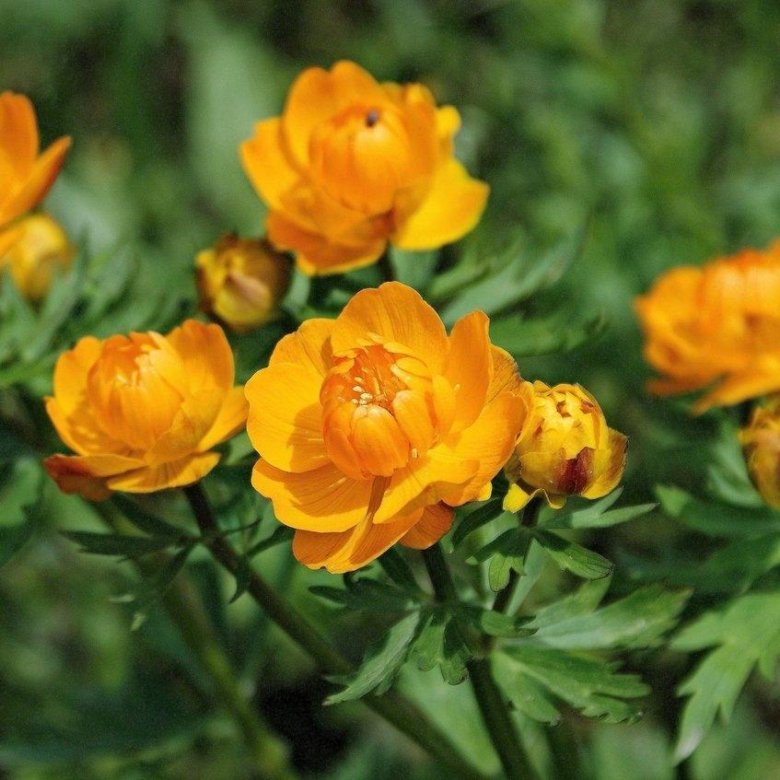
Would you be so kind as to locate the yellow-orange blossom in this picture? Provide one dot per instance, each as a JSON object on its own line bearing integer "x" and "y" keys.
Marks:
{"x": 352, "y": 163}
{"x": 25, "y": 175}
{"x": 716, "y": 327}
{"x": 372, "y": 426}
{"x": 143, "y": 411}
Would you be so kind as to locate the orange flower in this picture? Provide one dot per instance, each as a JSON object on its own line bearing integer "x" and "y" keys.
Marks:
{"x": 716, "y": 327}
{"x": 143, "y": 411}
{"x": 241, "y": 281}
{"x": 25, "y": 176}
{"x": 761, "y": 445}
{"x": 372, "y": 426}
{"x": 565, "y": 448}
{"x": 32, "y": 250}
{"x": 352, "y": 164}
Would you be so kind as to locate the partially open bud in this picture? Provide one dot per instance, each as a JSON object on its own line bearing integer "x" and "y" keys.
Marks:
{"x": 564, "y": 448}
{"x": 241, "y": 281}
{"x": 761, "y": 444}
{"x": 33, "y": 250}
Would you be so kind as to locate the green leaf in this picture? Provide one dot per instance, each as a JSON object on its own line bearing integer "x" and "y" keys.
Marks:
{"x": 482, "y": 515}
{"x": 395, "y": 566}
{"x": 573, "y": 557}
{"x": 492, "y": 623}
{"x": 144, "y": 520}
{"x": 510, "y": 557}
{"x": 365, "y": 595}
{"x": 745, "y": 633}
{"x": 20, "y": 492}
{"x": 636, "y": 621}
{"x": 523, "y": 691}
{"x": 516, "y": 274}
{"x": 117, "y": 544}
{"x": 382, "y": 661}
{"x": 560, "y": 331}
{"x": 588, "y": 684}
{"x": 716, "y": 519}
{"x": 596, "y": 516}
{"x": 280, "y": 534}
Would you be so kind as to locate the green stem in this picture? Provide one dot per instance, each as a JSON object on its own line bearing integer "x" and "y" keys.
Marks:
{"x": 386, "y": 268}
{"x": 491, "y": 703}
{"x": 528, "y": 518}
{"x": 393, "y": 707}
{"x": 186, "y": 612}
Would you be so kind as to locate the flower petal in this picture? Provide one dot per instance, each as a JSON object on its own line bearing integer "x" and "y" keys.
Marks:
{"x": 469, "y": 368}
{"x": 177, "y": 473}
{"x": 87, "y": 475}
{"x": 309, "y": 346}
{"x": 609, "y": 465}
{"x": 426, "y": 481}
{"x": 436, "y": 520}
{"x": 265, "y": 162}
{"x": 451, "y": 209}
{"x": 349, "y": 550}
{"x": 396, "y": 313}
{"x": 230, "y": 420}
{"x": 319, "y": 500}
{"x": 315, "y": 253}
{"x": 317, "y": 95}
{"x": 489, "y": 441}
{"x": 285, "y": 417}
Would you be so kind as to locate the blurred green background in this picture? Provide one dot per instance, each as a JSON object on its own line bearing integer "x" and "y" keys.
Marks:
{"x": 652, "y": 125}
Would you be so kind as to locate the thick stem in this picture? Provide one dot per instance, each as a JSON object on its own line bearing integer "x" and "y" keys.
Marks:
{"x": 393, "y": 707}
{"x": 528, "y": 518}
{"x": 186, "y": 612}
{"x": 491, "y": 703}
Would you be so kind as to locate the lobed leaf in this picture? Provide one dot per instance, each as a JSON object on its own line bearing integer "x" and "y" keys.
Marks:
{"x": 745, "y": 633}
{"x": 573, "y": 557}
{"x": 381, "y": 663}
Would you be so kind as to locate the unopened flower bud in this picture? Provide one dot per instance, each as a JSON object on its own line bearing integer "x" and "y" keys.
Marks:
{"x": 564, "y": 448}
{"x": 761, "y": 445}
{"x": 33, "y": 250}
{"x": 241, "y": 281}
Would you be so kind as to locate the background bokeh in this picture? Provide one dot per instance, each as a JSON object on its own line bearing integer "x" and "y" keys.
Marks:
{"x": 647, "y": 134}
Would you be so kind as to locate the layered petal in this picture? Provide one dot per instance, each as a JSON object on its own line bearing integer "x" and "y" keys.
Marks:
{"x": 265, "y": 161}
{"x": 396, "y": 314}
{"x": 452, "y": 207}
{"x": 170, "y": 474}
{"x": 435, "y": 521}
{"x": 349, "y": 550}
{"x": 285, "y": 421}
{"x": 319, "y": 500}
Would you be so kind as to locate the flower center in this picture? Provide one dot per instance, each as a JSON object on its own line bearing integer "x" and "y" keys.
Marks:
{"x": 133, "y": 389}
{"x": 377, "y": 411}
{"x": 362, "y": 156}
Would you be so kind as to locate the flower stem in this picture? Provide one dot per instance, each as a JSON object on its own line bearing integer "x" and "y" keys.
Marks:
{"x": 186, "y": 612}
{"x": 491, "y": 703}
{"x": 386, "y": 267}
{"x": 528, "y": 518}
{"x": 391, "y": 706}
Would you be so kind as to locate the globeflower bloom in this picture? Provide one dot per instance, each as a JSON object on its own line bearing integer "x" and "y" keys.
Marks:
{"x": 241, "y": 282}
{"x": 33, "y": 250}
{"x": 25, "y": 174}
{"x": 760, "y": 441}
{"x": 564, "y": 448}
{"x": 716, "y": 327}
{"x": 143, "y": 411}
{"x": 352, "y": 164}
{"x": 372, "y": 426}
